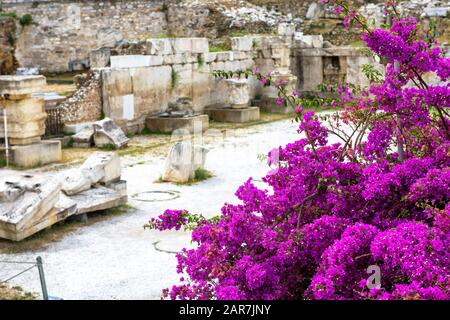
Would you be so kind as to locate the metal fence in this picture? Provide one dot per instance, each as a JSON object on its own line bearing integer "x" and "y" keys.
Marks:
{"x": 31, "y": 265}
{"x": 54, "y": 124}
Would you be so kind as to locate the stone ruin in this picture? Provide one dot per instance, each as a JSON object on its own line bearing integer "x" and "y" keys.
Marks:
{"x": 238, "y": 108}
{"x": 183, "y": 160}
{"x": 101, "y": 134}
{"x": 30, "y": 203}
{"x": 180, "y": 115}
{"x": 25, "y": 118}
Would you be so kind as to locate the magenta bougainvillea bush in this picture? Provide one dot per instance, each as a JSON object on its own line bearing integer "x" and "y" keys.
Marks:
{"x": 330, "y": 212}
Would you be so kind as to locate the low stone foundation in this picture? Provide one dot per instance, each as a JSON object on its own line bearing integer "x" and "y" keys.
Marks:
{"x": 168, "y": 125}
{"x": 32, "y": 155}
{"x": 270, "y": 105}
{"x": 234, "y": 115}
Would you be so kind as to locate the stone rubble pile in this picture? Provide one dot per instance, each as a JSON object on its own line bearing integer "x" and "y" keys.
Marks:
{"x": 417, "y": 8}
{"x": 85, "y": 103}
{"x": 30, "y": 202}
{"x": 27, "y": 205}
{"x": 101, "y": 133}
{"x": 240, "y": 17}
{"x": 182, "y": 107}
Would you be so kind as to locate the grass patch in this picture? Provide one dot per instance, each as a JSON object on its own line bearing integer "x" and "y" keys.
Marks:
{"x": 146, "y": 131}
{"x": 69, "y": 144}
{"x": 221, "y": 47}
{"x": 108, "y": 147}
{"x": 15, "y": 293}
{"x": 57, "y": 232}
{"x": 2, "y": 163}
{"x": 9, "y": 14}
{"x": 200, "y": 175}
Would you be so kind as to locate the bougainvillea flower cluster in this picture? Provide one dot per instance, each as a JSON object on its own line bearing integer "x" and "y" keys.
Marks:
{"x": 380, "y": 198}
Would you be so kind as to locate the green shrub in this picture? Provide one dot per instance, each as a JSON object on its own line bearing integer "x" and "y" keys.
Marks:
{"x": 8, "y": 14}
{"x": 26, "y": 20}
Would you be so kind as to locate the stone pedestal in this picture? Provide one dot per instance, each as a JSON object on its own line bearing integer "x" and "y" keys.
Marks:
{"x": 270, "y": 105}
{"x": 169, "y": 124}
{"x": 25, "y": 115}
{"x": 36, "y": 154}
{"x": 239, "y": 93}
{"x": 234, "y": 115}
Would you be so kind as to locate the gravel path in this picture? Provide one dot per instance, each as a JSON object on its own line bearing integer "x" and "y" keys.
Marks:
{"x": 116, "y": 258}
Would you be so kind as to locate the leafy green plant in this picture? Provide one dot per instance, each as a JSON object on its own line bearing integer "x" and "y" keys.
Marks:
{"x": 202, "y": 174}
{"x": 174, "y": 77}
{"x": 371, "y": 73}
{"x": 200, "y": 61}
{"x": 26, "y": 20}
{"x": 11, "y": 40}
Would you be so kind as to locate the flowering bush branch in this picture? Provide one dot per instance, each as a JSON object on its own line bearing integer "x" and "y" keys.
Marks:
{"x": 330, "y": 212}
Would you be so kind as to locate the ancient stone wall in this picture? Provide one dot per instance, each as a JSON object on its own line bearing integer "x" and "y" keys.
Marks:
{"x": 85, "y": 105}
{"x": 161, "y": 71}
{"x": 7, "y": 45}
{"x": 64, "y": 32}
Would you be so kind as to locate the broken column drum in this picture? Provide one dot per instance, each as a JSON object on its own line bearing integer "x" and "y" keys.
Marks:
{"x": 25, "y": 114}
{"x": 25, "y": 117}
{"x": 239, "y": 93}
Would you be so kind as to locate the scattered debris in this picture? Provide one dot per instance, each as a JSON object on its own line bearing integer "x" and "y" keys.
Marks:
{"x": 106, "y": 132}
{"x": 27, "y": 205}
{"x": 31, "y": 203}
{"x": 84, "y": 138}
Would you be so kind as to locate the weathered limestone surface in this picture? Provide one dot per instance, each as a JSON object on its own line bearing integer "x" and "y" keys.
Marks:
{"x": 234, "y": 115}
{"x": 21, "y": 85}
{"x": 197, "y": 123}
{"x": 268, "y": 104}
{"x": 239, "y": 93}
{"x": 182, "y": 162}
{"x": 83, "y": 138}
{"x": 100, "y": 58}
{"x": 26, "y": 120}
{"x": 100, "y": 167}
{"x": 75, "y": 181}
{"x": 98, "y": 198}
{"x": 129, "y": 95}
{"x": 333, "y": 65}
{"x": 36, "y": 154}
{"x": 25, "y": 115}
{"x": 135, "y": 61}
{"x": 25, "y": 200}
{"x": 30, "y": 203}
{"x": 107, "y": 132}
